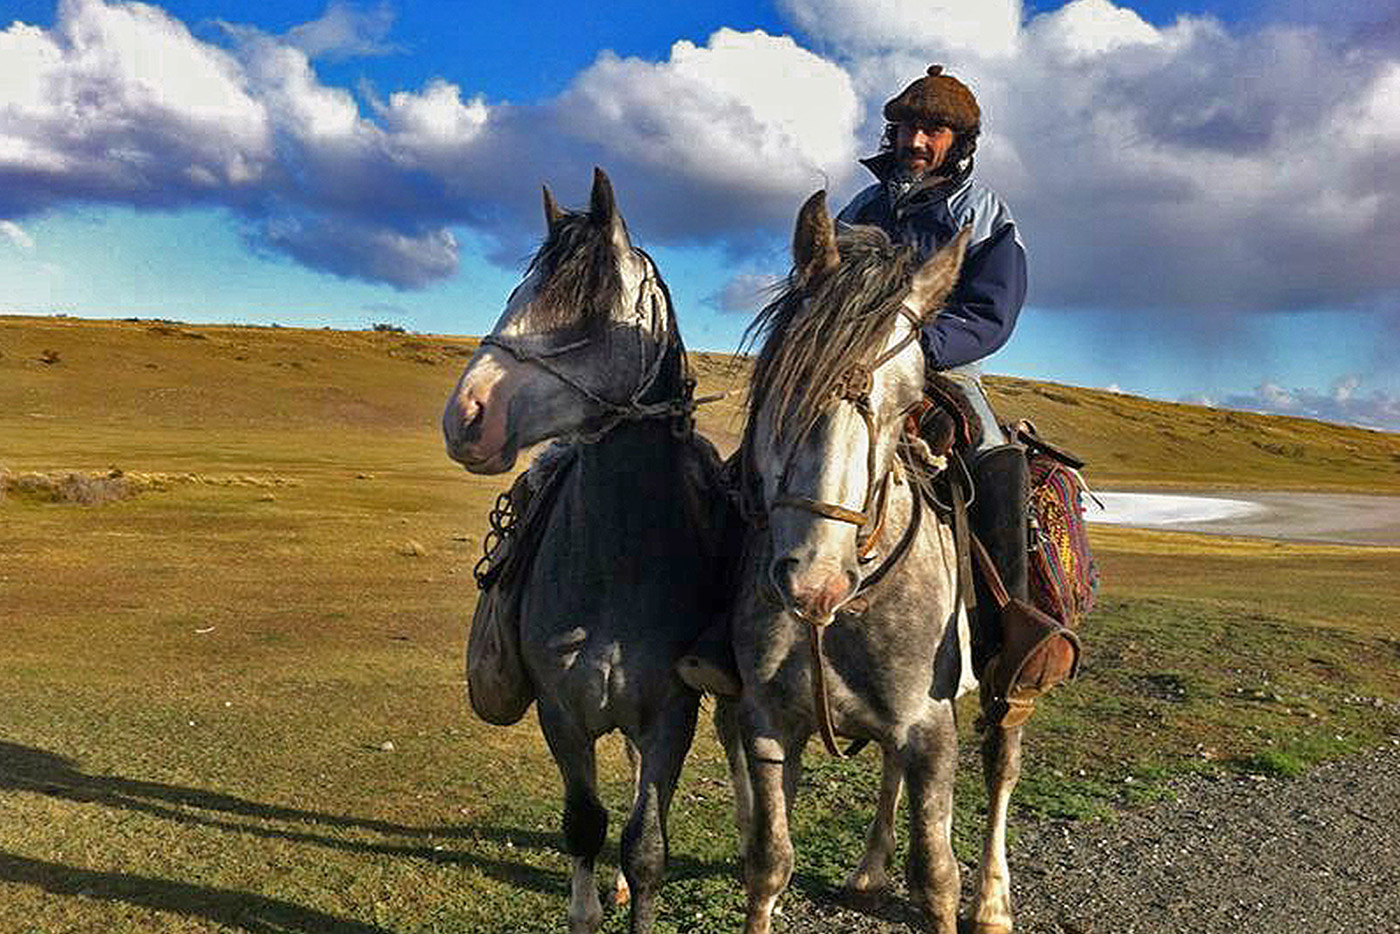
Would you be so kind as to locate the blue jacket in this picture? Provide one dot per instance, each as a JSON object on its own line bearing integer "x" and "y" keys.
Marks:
{"x": 982, "y": 309}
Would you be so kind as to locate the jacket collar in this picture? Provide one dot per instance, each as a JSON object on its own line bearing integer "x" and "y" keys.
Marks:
{"x": 926, "y": 191}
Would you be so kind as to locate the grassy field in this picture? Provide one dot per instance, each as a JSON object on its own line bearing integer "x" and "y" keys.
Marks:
{"x": 233, "y": 701}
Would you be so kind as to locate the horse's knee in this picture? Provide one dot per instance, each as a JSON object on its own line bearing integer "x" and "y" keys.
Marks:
{"x": 768, "y": 862}
{"x": 585, "y": 824}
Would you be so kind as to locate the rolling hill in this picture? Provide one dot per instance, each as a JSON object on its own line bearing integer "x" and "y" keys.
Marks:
{"x": 86, "y": 394}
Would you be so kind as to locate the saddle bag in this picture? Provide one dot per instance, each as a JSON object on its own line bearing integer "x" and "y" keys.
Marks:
{"x": 498, "y": 685}
{"x": 1063, "y": 575}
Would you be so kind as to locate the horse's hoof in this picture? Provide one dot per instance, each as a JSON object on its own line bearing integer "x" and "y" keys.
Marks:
{"x": 864, "y": 891}
{"x": 864, "y": 885}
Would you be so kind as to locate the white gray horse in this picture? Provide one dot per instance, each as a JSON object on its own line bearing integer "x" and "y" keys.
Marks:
{"x": 852, "y": 583}
{"x": 587, "y": 348}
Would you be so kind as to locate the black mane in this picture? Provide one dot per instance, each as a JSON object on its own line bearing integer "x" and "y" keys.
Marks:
{"x": 578, "y": 263}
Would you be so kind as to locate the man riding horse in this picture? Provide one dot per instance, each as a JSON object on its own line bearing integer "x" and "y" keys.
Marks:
{"x": 924, "y": 195}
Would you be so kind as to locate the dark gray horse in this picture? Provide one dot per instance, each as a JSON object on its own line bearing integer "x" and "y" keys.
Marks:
{"x": 853, "y": 581}
{"x": 587, "y": 348}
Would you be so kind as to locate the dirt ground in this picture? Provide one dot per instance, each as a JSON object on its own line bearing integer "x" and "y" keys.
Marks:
{"x": 1231, "y": 854}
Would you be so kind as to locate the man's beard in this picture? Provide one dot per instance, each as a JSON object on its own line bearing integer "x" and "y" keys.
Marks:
{"x": 904, "y": 157}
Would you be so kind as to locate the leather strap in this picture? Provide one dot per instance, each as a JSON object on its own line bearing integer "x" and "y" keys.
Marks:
{"x": 989, "y": 572}
{"x": 821, "y": 697}
{"x": 826, "y": 510}
{"x": 961, "y": 537}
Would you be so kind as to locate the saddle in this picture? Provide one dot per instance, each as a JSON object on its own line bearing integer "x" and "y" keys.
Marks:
{"x": 1037, "y": 648}
{"x": 945, "y": 421}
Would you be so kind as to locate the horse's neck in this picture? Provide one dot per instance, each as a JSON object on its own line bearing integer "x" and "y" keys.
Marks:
{"x": 633, "y": 466}
{"x": 628, "y": 479}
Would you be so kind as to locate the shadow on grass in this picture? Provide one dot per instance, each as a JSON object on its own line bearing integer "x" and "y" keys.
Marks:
{"x": 230, "y": 907}
{"x": 38, "y": 771}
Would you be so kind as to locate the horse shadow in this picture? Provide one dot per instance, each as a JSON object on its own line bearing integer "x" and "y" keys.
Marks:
{"x": 229, "y": 907}
{"x": 38, "y": 771}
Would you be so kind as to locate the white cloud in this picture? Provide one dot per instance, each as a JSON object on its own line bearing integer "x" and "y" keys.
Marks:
{"x": 120, "y": 103}
{"x": 1187, "y": 166}
{"x": 364, "y": 251}
{"x": 746, "y": 292}
{"x": 1087, "y": 28}
{"x": 434, "y": 125}
{"x": 748, "y": 116}
{"x": 17, "y": 235}
{"x": 1344, "y": 389}
{"x": 346, "y": 31}
{"x": 1342, "y": 403}
{"x": 987, "y": 27}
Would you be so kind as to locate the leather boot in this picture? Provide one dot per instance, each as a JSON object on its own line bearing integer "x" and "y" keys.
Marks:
{"x": 1020, "y": 652}
{"x": 1001, "y": 478}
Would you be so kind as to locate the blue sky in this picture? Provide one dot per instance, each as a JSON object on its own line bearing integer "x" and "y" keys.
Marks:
{"x": 1207, "y": 192}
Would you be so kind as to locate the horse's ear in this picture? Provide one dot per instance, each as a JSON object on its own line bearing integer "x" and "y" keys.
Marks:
{"x": 551, "y": 210}
{"x": 602, "y": 209}
{"x": 939, "y": 273}
{"x": 814, "y": 240}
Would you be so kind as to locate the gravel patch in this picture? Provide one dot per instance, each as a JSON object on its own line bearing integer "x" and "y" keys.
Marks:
{"x": 1317, "y": 854}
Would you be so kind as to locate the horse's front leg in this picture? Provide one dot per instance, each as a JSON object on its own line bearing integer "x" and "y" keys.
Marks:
{"x": 1001, "y": 768}
{"x": 768, "y": 855}
{"x": 644, "y": 844}
{"x": 871, "y": 876}
{"x": 585, "y": 818}
{"x": 930, "y": 759}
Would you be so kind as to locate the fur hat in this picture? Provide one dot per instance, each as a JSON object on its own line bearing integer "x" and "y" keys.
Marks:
{"x": 936, "y": 98}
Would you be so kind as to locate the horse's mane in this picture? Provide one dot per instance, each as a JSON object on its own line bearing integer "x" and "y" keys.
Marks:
{"x": 581, "y": 284}
{"x": 811, "y": 333}
{"x": 578, "y": 263}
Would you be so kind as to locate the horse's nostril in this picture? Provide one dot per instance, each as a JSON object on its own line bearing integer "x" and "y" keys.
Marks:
{"x": 470, "y": 424}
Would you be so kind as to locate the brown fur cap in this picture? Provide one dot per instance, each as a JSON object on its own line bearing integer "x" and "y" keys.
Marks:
{"x": 936, "y": 98}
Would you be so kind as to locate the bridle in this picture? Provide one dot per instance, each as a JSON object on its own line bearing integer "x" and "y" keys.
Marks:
{"x": 651, "y": 292}
{"x": 853, "y": 386}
